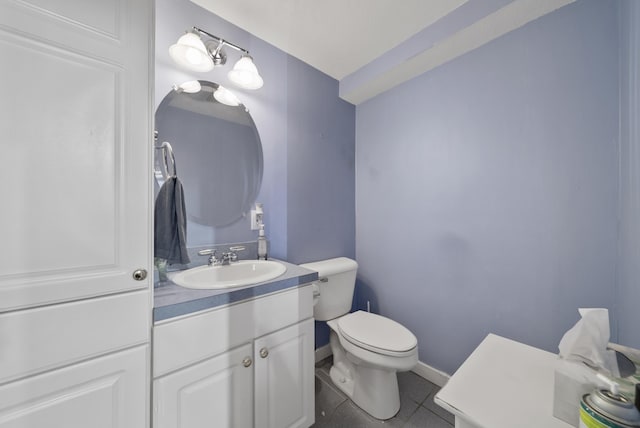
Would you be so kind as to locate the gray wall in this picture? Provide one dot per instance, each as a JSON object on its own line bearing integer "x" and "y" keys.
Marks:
{"x": 308, "y": 138}
{"x": 487, "y": 190}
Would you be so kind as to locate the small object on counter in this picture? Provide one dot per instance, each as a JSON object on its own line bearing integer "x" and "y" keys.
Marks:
{"x": 262, "y": 244}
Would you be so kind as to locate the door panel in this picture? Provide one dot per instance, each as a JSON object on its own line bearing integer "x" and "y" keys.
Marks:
{"x": 98, "y": 15}
{"x": 107, "y": 392}
{"x": 76, "y": 149}
{"x": 39, "y": 339}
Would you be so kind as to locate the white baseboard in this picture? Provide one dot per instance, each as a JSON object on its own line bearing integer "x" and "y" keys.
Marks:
{"x": 429, "y": 373}
{"x": 421, "y": 369}
{"x": 323, "y": 352}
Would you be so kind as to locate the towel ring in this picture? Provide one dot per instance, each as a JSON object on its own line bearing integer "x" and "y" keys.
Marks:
{"x": 168, "y": 158}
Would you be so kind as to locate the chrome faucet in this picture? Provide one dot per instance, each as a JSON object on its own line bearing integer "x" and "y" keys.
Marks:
{"x": 226, "y": 258}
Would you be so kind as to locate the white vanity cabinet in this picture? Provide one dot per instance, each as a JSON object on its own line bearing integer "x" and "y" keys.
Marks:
{"x": 249, "y": 364}
{"x": 215, "y": 392}
{"x": 284, "y": 377}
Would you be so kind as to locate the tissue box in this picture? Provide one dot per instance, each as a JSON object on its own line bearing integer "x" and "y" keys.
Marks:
{"x": 571, "y": 381}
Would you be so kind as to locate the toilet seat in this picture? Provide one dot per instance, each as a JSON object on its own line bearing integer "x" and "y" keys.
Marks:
{"x": 377, "y": 334}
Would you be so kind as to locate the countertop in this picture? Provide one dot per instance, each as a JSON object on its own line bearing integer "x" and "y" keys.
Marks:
{"x": 172, "y": 300}
{"x": 503, "y": 384}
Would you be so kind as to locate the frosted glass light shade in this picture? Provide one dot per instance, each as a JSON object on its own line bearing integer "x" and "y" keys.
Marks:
{"x": 191, "y": 53}
{"x": 190, "y": 87}
{"x": 225, "y": 96}
{"x": 245, "y": 74}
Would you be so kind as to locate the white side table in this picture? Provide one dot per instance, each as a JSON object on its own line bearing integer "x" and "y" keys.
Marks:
{"x": 503, "y": 384}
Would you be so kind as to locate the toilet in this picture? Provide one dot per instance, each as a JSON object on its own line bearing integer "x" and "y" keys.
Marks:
{"x": 368, "y": 349}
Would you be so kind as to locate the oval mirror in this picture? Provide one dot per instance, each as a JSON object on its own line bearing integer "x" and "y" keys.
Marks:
{"x": 217, "y": 152}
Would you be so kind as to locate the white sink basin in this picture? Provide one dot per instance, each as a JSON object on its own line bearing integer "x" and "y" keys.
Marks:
{"x": 243, "y": 272}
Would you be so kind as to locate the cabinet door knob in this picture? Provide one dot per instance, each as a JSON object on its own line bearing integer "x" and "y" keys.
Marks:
{"x": 139, "y": 274}
{"x": 246, "y": 362}
{"x": 264, "y": 352}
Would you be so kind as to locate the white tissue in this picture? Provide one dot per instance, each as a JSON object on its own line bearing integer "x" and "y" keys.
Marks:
{"x": 587, "y": 341}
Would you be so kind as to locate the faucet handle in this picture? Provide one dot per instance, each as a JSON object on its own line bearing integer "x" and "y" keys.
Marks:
{"x": 233, "y": 256}
{"x": 213, "y": 260}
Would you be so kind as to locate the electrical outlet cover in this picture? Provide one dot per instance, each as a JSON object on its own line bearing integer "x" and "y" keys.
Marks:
{"x": 255, "y": 224}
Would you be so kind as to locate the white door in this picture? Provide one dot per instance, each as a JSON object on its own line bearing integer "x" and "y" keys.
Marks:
{"x": 106, "y": 392}
{"x": 217, "y": 392}
{"x": 284, "y": 377}
{"x": 75, "y": 170}
{"x": 74, "y": 148}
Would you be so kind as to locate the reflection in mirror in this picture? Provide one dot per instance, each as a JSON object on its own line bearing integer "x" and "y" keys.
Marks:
{"x": 218, "y": 153}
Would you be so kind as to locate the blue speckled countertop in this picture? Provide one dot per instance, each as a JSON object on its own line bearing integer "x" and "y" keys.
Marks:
{"x": 172, "y": 300}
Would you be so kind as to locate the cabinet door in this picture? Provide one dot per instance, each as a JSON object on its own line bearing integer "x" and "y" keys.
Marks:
{"x": 284, "y": 384}
{"x": 217, "y": 392}
{"x": 75, "y": 127}
{"x": 106, "y": 392}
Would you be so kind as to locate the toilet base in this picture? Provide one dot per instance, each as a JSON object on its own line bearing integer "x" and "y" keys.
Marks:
{"x": 375, "y": 393}
{"x": 373, "y": 389}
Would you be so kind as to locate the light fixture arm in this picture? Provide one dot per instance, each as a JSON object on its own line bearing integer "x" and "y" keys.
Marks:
{"x": 222, "y": 42}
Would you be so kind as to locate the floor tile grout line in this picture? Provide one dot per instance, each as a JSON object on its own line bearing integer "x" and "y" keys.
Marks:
{"x": 334, "y": 388}
{"x": 433, "y": 393}
{"x": 404, "y": 422}
{"x": 333, "y": 412}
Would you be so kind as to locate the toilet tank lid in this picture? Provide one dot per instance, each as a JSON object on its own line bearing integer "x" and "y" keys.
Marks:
{"x": 332, "y": 266}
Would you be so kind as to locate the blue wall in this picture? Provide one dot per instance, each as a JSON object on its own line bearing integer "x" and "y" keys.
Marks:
{"x": 487, "y": 190}
{"x": 629, "y": 266}
{"x": 308, "y": 138}
{"x": 321, "y": 157}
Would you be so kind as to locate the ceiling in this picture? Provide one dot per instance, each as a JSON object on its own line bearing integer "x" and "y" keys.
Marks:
{"x": 373, "y": 45}
{"x": 335, "y": 36}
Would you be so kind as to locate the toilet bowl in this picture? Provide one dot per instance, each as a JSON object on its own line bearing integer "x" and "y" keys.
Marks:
{"x": 368, "y": 349}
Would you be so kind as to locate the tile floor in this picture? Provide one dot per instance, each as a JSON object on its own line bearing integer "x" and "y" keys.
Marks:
{"x": 417, "y": 408}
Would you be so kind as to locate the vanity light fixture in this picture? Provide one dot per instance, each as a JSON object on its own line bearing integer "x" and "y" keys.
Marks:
{"x": 245, "y": 74}
{"x": 194, "y": 53}
{"x": 191, "y": 53}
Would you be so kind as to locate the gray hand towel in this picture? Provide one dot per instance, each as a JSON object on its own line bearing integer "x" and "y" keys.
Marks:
{"x": 170, "y": 231}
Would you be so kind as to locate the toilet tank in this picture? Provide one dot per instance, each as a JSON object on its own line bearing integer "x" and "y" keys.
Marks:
{"x": 337, "y": 280}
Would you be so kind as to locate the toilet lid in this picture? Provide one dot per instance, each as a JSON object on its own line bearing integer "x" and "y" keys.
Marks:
{"x": 376, "y": 333}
